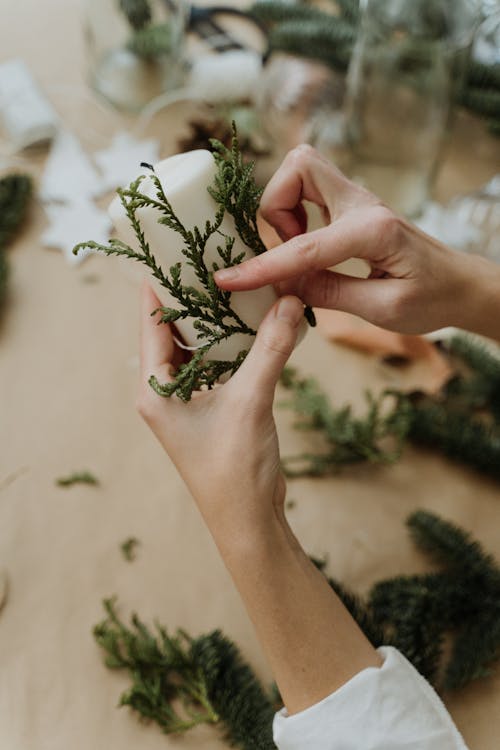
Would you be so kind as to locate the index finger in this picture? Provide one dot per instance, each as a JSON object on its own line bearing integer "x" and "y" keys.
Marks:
{"x": 314, "y": 251}
{"x": 303, "y": 175}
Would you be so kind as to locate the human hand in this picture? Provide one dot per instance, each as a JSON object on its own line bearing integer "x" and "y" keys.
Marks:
{"x": 223, "y": 442}
{"x": 415, "y": 285}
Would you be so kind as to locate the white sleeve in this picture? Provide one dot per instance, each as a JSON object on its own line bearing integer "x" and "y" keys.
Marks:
{"x": 390, "y": 707}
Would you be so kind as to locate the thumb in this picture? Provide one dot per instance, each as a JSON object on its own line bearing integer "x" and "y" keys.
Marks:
{"x": 276, "y": 338}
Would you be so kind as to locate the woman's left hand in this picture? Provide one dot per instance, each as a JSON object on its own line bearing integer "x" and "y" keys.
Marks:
{"x": 223, "y": 442}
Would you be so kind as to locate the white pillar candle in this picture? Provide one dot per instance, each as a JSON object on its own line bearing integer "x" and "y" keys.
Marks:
{"x": 185, "y": 179}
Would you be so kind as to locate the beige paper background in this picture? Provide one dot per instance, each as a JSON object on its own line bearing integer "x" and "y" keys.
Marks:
{"x": 68, "y": 374}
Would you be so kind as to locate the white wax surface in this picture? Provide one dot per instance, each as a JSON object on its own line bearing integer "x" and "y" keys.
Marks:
{"x": 185, "y": 178}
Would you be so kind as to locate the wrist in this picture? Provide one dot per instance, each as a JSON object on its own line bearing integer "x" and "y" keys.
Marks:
{"x": 257, "y": 537}
{"x": 478, "y": 307}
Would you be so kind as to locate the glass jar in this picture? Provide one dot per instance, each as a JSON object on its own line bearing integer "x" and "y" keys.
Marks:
{"x": 402, "y": 79}
{"x": 135, "y": 49}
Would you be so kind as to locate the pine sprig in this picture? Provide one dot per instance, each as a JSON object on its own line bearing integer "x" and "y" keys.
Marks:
{"x": 236, "y": 193}
{"x": 179, "y": 682}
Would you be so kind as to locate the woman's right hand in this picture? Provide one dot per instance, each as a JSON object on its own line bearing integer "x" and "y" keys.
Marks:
{"x": 415, "y": 285}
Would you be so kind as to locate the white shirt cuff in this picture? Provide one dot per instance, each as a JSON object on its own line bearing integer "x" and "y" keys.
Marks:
{"x": 391, "y": 707}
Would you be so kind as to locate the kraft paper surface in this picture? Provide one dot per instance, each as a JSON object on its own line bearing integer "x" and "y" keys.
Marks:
{"x": 68, "y": 377}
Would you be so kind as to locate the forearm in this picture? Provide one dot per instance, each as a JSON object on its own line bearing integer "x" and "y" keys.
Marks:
{"x": 312, "y": 643}
{"x": 479, "y": 309}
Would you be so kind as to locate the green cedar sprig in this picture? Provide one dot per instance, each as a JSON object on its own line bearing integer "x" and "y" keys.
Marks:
{"x": 236, "y": 193}
{"x": 215, "y": 321}
{"x": 463, "y": 421}
{"x": 377, "y": 437}
{"x": 78, "y": 477}
{"x": 179, "y": 682}
{"x": 128, "y": 548}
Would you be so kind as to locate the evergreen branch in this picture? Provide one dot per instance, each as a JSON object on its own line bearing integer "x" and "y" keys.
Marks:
{"x": 152, "y": 42}
{"x": 179, "y": 682}
{"x": 242, "y": 705}
{"x": 137, "y": 12}
{"x": 15, "y": 194}
{"x": 273, "y": 12}
{"x": 348, "y": 439}
{"x": 483, "y": 76}
{"x": 363, "y": 613}
{"x": 349, "y": 10}
{"x": 483, "y": 102}
{"x": 459, "y": 436}
{"x": 128, "y": 548}
{"x": 328, "y": 40}
{"x": 450, "y": 545}
{"x": 476, "y": 648}
{"x": 236, "y": 193}
{"x": 79, "y": 477}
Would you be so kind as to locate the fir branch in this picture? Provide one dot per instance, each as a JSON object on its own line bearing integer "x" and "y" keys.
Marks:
{"x": 245, "y": 710}
{"x": 483, "y": 102}
{"x": 137, "y": 12}
{"x": 270, "y": 13}
{"x": 128, "y": 548}
{"x": 15, "y": 194}
{"x": 348, "y": 439}
{"x": 475, "y": 650}
{"x": 179, "y": 682}
{"x": 450, "y": 545}
{"x": 362, "y": 612}
{"x": 328, "y": 40}
{"x": 458, "y": 435}
{"x": 78, "y": 477}
{"x": 152, "y": 42}
{"x": 349, "y": 10}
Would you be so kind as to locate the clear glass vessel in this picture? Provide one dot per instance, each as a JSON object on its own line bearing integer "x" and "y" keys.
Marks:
{"x": 402, "y": 79}
{"x": 135, "y": 48}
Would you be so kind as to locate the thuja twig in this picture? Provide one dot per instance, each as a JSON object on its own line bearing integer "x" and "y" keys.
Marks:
{"x": 235, "y": 193}
{"x": 348, "y": 439}
{"x": 78, "y": 477}
{"x": 179, "y": 682}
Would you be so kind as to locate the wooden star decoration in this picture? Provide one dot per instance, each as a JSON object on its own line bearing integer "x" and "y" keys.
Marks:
{"x": 69, "y": 223}
{"x": 120, "y": 162}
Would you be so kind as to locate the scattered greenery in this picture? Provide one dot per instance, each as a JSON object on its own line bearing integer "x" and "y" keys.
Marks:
{"x": 236, "y": 193}
{"x": 310, "y": 30}
{"x": 376, "y": 437}
{"x": 152, "y": 42}
{"x": 15, "y": 195}
{"x": 78, "y": 477}
{"x": 128, "y": 548}
{"x": 149, "y": 40}
{"x": 463, "y": 421}
{"x": 179, "y": 682}
{"x": 137, "y": 12}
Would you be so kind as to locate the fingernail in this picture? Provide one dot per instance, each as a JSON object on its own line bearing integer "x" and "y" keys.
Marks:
{"x": 227, "y": 274}
{"x": 290, "y": 310}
